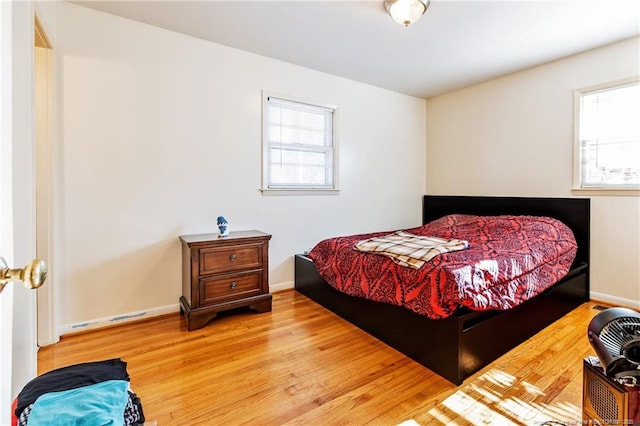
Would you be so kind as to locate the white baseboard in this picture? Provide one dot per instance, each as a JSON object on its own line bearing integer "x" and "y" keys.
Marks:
{"x": 119, "y": 319}
{"x": 149, "y": 313}
{"x": 273, "y": 288}
{"x": 614, "y": 300}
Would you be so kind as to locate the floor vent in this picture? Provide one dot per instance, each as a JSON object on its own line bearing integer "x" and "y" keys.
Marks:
{"x": 600, "y": 307}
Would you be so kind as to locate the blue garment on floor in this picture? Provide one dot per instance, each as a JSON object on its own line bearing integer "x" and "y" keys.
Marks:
{"x": 71, "y": 377}
{"x": 100, "y": 404}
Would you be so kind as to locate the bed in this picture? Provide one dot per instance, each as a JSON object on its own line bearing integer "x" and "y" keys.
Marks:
{"x": 462, "y": 343}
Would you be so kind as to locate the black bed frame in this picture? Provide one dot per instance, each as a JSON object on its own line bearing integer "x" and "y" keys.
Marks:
{"x": 458, "y": 346}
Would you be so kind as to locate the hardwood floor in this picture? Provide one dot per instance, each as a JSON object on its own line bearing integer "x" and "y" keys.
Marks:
{"x": 301, "y": 364}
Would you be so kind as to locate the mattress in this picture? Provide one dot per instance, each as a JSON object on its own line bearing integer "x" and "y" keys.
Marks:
{"x": 509, "y": 259}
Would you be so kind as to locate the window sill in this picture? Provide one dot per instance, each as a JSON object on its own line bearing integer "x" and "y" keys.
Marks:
{"x": 300, "y": 191}
{"x": 633, "y": 192}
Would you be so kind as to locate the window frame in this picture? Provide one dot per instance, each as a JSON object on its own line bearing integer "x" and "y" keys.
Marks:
{"x": 577, "y": 148}
{"x": 297, "y": 190}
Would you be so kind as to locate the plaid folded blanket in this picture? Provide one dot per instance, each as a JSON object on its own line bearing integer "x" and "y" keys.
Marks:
{"x": 409, "y": 250}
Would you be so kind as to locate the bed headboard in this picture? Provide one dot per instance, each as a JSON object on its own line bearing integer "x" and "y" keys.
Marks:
{"x": 573, "y": 212}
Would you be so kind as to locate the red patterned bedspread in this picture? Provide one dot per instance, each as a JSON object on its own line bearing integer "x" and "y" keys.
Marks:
{"x": 510, "y": 259}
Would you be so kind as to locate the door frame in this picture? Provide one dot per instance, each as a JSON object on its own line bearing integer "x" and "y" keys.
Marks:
{"x": 45, "y": 179}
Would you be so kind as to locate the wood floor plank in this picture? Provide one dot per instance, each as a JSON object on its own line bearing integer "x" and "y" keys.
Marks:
{"x": 302, "y": 365}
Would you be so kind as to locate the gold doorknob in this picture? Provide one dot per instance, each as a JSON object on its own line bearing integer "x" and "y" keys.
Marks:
{"x": 32, "y": 275}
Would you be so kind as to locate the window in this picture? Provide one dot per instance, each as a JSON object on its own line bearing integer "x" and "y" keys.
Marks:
{"x": 608, "y": 136}
{"x": 299, "y": 149}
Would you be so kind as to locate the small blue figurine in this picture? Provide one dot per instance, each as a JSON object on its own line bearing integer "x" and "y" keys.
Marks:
{"x": 222, "y": 226}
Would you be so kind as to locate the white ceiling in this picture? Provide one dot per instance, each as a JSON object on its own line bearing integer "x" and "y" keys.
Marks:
{"x": 455, "y": 44}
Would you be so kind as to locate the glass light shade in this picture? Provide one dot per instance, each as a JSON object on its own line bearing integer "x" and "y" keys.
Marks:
{"x": 406, "y": 12}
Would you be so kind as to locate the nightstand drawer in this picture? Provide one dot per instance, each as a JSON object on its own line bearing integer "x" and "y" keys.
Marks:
{"x": 214, "y": 260}
{"x": 230, "y": 287}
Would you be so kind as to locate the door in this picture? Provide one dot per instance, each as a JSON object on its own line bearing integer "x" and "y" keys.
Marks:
{"x": 17, "y": 194}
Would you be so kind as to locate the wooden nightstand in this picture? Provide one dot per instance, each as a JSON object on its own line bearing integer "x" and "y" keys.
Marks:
{"x": 223, "y": 273}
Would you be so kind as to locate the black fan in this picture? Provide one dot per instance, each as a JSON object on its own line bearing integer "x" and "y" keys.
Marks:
{"x": 615, "y": 335}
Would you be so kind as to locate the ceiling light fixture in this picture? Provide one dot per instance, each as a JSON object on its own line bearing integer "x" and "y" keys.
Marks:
{"x": 406, "y": 12}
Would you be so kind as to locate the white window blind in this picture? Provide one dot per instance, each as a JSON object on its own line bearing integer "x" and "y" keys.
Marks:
{"x": 298, "y": 145}
{"x": 609, "y": 137}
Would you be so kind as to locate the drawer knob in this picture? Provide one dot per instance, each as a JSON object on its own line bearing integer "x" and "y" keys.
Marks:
{"x": 233, "y": 257}
{"x": 233, "y": 284}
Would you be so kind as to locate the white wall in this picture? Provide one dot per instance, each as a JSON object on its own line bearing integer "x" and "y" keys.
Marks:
{"x": 514, "y": 136}
{"x": 160, "y": 133}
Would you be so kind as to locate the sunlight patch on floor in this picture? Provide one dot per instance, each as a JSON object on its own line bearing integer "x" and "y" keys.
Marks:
{"x": 474, "y": 411}
{"x": 489, "y": 394}
{"x": 442, "y": 417}
{"x": 532, "y": 389}
{"x": 518, "y": 408}
{"x": 409, "y": 422}
{"x": 484, "y": 405}
{"x": 499, "y": 378}
{"x": 560, "y": 411}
